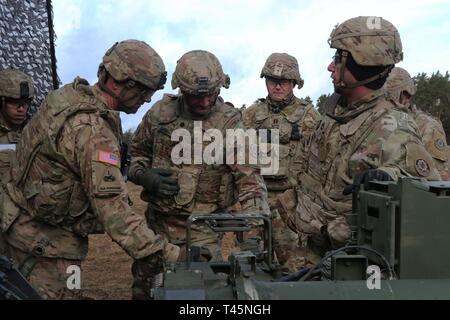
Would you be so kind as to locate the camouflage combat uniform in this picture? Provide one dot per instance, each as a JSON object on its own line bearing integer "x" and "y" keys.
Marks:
{"x": 371, "y": 133}
{"x": 204, "y": 188}
{"x": 433, "y": 137}
{"x": 67, "y": 184}
{"x": 429, "y": 127}
{"x": 295, "y": 119}
{"x": 16, "y": 85}
{"x": 8, "y": 141}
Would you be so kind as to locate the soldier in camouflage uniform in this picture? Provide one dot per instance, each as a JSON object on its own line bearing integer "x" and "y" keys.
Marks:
{"x": 175, "y": 191}
{"x": 16, "y": 93}
{"x": 295, "y": 119}
{"x": 402, "y": 89}
{"x": 365, "y": 137}
{"x": 67, "y": 182}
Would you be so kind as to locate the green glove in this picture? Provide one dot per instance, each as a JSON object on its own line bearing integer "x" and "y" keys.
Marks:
{"x": 364, "y": 178}
{"x": 159, "y": 182}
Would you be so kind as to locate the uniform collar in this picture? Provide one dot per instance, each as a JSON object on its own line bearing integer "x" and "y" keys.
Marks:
{"x": 112, "y": 116}
{"x": 100, "y": 95}
{"x": 278, "y": 106}
{"x": 343, "y": 114}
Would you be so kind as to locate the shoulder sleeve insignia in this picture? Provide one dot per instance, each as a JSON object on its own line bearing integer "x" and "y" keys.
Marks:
{"x": 422, "y": 167}
{"x": 419, "y": 162}
{"x": 440, "y": 144}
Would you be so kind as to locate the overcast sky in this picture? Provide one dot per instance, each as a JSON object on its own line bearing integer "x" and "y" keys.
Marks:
{"x": 242, "y": 34}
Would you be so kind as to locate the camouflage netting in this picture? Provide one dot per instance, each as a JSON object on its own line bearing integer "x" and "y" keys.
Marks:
{"x": 26, "y": 44}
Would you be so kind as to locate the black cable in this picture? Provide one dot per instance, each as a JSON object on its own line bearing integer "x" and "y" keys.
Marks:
{"x": 387, "y": 264}
{"x": 52, "y": 44}
{"x": 293, "y": 276}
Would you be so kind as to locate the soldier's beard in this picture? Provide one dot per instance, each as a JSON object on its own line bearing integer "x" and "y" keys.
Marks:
{"x": 197, "y": 110}
{"x": 200, "y": 111}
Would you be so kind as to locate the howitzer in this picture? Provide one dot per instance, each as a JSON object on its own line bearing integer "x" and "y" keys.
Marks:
{"x": 400, "y": 249}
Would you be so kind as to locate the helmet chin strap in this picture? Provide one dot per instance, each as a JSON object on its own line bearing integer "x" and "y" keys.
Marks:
{"x": 342, "y": 85}
{"x": 120, "y": 98}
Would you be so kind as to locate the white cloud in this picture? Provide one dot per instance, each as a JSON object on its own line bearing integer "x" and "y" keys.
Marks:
{"x": 67, "y": 16}
{"x": 243, "y": 33}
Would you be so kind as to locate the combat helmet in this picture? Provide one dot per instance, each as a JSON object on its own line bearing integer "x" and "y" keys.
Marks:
{"x": 134, "y": 60}
{"x": 400, "y": 80}
{"x": 199, "y": 72}
{"x": 16, "y": 85}
{"x": 282, "y": 66}
{"x": 372, "y": 41}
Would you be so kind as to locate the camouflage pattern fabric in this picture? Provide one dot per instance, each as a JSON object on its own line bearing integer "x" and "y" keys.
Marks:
{"x": 282, "y": 66}
{"x": 49, "y": 276}
{"x": 16, "y": 84}
{"x": 372, "y": 41}
{"x": 199, "y": 72}
{"x": 67, "y": 180}
{"x": 203, "y": 188}
{"x": 295, "y": 123}
{"x": 368, "y": 134}
{"x": 145, "y": 66}
{"x": 429, "y": 128}
{"x": 433, "y": 137}
{"x": 8, "y": 139}
{"x": 400, "y": 80}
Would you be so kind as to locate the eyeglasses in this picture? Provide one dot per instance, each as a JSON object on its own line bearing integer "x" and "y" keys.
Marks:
{"x": 336, "y": 59}
{"x": 273, "y": 82}
{"x": 18, "y": 103}
{"x": 144, "y": 91}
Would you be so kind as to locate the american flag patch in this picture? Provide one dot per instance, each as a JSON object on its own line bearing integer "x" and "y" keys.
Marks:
{"x": 108, "y": 157}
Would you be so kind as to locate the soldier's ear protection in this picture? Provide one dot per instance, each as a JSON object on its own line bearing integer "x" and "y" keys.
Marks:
{"x": 226, "y": 82}
{"x": 162, "y": 80}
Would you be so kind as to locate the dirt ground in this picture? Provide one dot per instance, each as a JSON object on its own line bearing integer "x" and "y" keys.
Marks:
{"x": 107, "y": 270}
